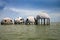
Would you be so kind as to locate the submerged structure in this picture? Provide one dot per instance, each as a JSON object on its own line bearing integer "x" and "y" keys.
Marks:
{"x": 19, "y": 20}
{"x": 30, "y": 20}
{"x": 42, "y": 18}
{"x": 7, "y": 20}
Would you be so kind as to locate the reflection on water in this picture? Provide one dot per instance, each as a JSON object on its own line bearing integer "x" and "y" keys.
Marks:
{"x": 30, "y": 32}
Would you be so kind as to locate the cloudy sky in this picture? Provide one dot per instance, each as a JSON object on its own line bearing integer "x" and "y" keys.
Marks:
{"x": 24, "y": 8}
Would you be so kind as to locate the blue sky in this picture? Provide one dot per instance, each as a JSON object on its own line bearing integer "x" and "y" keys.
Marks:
{"x": 24, "y": 8}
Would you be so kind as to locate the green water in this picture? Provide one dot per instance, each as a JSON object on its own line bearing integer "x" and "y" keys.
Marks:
{"x": 30, "y": 32}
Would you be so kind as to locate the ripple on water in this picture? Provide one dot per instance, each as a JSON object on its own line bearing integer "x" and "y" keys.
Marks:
{"x": 30, "y": 32}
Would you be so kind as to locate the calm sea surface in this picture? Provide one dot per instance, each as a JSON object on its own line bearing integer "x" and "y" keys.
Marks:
{"x": 30, "y": 32}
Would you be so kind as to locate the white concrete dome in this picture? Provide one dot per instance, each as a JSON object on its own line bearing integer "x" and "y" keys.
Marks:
{"x": 44, "y": 15}
{"x": 31, "y": 18}
{"x": 18, "y": 18}
{"x": 7, "y": 18}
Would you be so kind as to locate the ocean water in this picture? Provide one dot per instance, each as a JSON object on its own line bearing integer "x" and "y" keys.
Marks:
{"x": 30, "y": 32}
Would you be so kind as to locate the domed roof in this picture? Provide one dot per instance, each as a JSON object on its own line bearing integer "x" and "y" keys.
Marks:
{"x": 31, "y": 18}
{"x": 18, "y": 18}
{"x": 7, "y": 18}
{"x": 44, "y": 15}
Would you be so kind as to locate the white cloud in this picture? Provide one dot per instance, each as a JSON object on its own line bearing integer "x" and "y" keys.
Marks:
{"x": 27, "y": 12}
{"x": 54, "y": 15}
{"x": 24, "y": 11}
{"x": 32, "y": 12}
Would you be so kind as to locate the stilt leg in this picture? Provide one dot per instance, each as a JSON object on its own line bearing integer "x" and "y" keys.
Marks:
{"x": 48, "y": 21}
{"x": 41, "y": 21}
{"x": 44, "y": 21}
